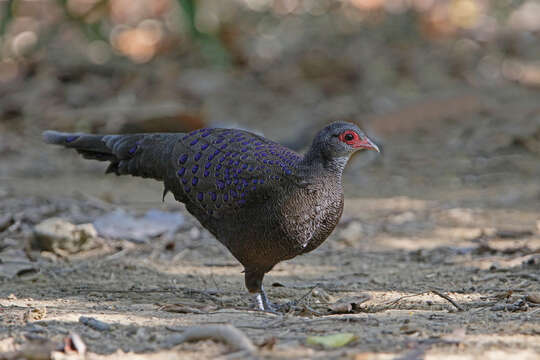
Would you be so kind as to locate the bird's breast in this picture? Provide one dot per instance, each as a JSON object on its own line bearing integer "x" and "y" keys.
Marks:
{"x": 311, "y": 214}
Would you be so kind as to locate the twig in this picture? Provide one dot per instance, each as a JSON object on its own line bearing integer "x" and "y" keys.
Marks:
{"x": 393, "y": 302}
{"x": 307, "y": 294}
{"x": 227, "y": 334}
{"x": 447, "y": 298}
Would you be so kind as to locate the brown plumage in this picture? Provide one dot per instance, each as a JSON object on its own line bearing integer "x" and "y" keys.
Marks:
{"x": 263, "y": 201}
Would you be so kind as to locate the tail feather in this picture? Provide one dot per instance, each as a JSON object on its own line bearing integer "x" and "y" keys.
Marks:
{"x": 144, "y": 155}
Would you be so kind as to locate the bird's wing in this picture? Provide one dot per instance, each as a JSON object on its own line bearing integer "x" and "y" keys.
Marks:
{"x": 220, "y": 170}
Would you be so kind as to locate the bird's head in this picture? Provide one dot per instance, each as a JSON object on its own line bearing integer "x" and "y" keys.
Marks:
{"x": 341, "y": 139}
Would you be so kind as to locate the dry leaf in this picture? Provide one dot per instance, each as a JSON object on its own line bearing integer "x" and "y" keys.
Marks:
{"x": 331, "y": 341}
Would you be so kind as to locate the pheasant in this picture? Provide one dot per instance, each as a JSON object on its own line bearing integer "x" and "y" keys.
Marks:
{"x": 263, "y": 201}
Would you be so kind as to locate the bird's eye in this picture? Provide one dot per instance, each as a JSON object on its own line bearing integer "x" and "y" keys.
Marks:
{"x": 349, "y": 137}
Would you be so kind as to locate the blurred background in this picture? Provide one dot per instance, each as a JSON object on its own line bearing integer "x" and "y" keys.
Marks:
{"x": 449, "y": 88}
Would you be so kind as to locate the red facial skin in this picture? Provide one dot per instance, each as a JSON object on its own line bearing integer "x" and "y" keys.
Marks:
{"x": 350, "y": 137}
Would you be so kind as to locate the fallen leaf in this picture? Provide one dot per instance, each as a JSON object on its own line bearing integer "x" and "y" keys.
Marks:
{"x": 35, "y": 314}
{"x": 348, "y": 304}
{"x": 331, "y": 341}
{"x": 59, "y": 236}
{"x": 121, "y": 225}
{"x": 181, "y": 309}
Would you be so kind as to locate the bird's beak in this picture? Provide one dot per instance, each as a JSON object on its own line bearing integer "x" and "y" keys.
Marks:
{"x": 366, "y": 143}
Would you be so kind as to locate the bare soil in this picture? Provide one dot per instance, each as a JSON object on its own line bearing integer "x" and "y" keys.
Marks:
{"x": 400, "y": 259}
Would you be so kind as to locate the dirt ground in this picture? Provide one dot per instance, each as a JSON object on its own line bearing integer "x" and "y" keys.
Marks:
{"x": 434, "y": 270}
{"x": 437, "y": 255}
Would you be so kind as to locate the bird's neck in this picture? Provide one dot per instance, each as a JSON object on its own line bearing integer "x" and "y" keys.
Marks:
{"x": 317, "y": 163}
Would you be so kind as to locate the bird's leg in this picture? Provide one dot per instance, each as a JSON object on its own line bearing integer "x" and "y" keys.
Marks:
{"x": 254, "y": 286}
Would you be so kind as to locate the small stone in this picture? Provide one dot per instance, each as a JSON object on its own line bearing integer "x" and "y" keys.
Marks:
{"x": 533, "y": 297}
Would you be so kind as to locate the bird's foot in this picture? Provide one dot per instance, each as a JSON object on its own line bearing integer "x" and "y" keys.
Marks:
{"x": 262, "y": 304}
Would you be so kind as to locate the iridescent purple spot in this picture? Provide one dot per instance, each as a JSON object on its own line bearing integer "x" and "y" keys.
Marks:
{"x": 216, "y": 152}
{"x": 231, "y": 161}
{"x": 206, "y": 133}
{"x": 235, "y": 154}
{"x": 261, "y": 181}
{"x": 220, "y": 184}
{"x": 194, "y": 142}
{"x": 244, "y": 167}
{"x": 226, "y": 197}
{"x": 244, "y": 149}
{"x": 245, "y": 143}
{"x": 222, "y": 159}
{"x": 195, "y": 168}
{"x": 133, "y": 149}
{"x": 205, "y": 146}
{"x": 241, "y": 202}
{"x": 206, "y": 173}
{"x": 255, "y": 181}
{"x": 184, "y": 180}
{"x": 254, "y": 187}
{"x": 223, "y": 146}
{"x": 181, "y": 171}
{"x": 219, "y": 140}
{"x": 187, "y": 189}
{"x": 235, "y": 182}
{"x": 208, "y": 165}
{"x": 198, "y": 156}
{"x": 194, "y": 181}
{"x": 228, "y": 182}
{"x": 236, "y": 163}
{"x": 200, "y": 196}
{"x": 239, "y": 187}
{"x": 244, "y": 157}
{"x": 211, "y": 157}
{"x": 243, "y": 195}
{"x": 258, "y": 143}
{"x": 288, "y": 171}
{"x": 251, "y": 169}
{"x": 183, "y": 159}
{"x": 213, "y": 196}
